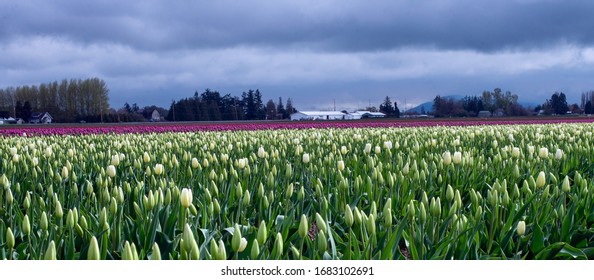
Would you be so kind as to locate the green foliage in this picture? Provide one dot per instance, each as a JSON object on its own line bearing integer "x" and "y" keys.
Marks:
{"x": 253, "y": 196}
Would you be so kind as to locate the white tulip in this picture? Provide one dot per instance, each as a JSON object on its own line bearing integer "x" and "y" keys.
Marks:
{"x": 516, "y": 152}
{"x": 367, "y": 149}
{"x": 531, "y": 150}
{"x": 261, "y": 152}
{"x": 306, "y": 158}
{"x": 457, "y": 158}
{"x": 340, "y": 165}
{"x": 111, "y": 171}
{"x": 447, "y": 158}
{"x": 115, "y": 160}
{"x": 158, "y": 169}
{"x": 185, "y": 197}
{"x": 48, "y": 152}
{"x": 540, "y": 180}
{"x": 241, "y": 163}
{"x": 558, "y": 154}
{"x": 543, "y": 153}
{"x": 521, "y": 229}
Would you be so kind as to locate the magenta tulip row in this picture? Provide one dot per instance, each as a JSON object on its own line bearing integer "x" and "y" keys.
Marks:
{"x": 234, "y": 126}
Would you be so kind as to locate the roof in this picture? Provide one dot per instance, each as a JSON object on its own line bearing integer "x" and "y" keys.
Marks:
{"x": 38, "y": 115}
{"x": 322, "y": 113}
{"x": 368, "y": 112}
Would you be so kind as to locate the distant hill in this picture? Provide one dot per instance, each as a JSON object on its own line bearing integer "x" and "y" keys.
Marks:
{"x": 428, "y": 106}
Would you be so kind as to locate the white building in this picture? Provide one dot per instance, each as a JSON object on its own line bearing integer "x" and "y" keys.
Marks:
{"x": 155, "y": 116}
{"x": 318, "y": 115}
{"x": 40, "y": 118}
{"x": 364, "y": 114}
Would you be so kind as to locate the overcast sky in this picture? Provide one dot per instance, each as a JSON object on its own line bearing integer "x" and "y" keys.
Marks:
{"x": 316, "y": 52}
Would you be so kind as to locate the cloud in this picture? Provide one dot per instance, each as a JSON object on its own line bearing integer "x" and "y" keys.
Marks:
{"x": 315, "y": 51}
{"x": 329, "y": 25}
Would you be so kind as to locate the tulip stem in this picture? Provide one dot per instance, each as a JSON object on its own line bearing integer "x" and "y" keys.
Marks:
{"x": 301, "y": 248}
{"x": 518, "y": 254}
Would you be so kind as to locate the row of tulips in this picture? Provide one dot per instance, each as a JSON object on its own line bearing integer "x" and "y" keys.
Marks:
{"x": 234, "y": 126}
{"x": 473, "y": 192}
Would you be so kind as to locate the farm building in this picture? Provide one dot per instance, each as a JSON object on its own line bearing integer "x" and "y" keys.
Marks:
{"x": 155, "y": 116}
{"x": 364, "y": 114}
{"x": 318, "y": 115}
{"x": 11, "y": 120}
{"x": 484, "y": 114}
{"x": 40, "y": 118}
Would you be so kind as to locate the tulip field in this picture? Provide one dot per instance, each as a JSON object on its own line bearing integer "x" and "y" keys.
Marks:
{"x": 299, "y": 192}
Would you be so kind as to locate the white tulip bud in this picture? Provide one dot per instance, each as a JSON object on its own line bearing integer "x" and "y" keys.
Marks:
{"x": 261, "y": 152}
{"x": 185, "y": 197}
{"x": 48, "y": 152}
{"x": 242, "y": 162}
{"x": 543, "y": 153}
{"x": 111, "y": 171}
{"x": 306, "y": 158}
{"x": 565, "y": 186}
{"x": 340, "y": 165}
{"x": 195, "y": 163}
{"x": 242, "y": 245}
{"x": 158, "y": 169}
{"x": 367, "y": 149}
{"x": 521, "y": 229}
{"x": 531, "y": 150}
{"x": 64, "y": 172}
{"x": 540, "y": 180}
{"x": 457, "y": 158}
{"x": 447, "y": 158}
{"x": 115, "y": 160}
{"x": 516, "y": 152}
{"x": 558, "y": 154}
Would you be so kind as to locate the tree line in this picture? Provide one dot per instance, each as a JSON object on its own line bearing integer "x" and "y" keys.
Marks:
{"x": 210, "y": 105}
{"x": 390, "y": 110}
{"x": 498, "y": 103}
{"x": 66, "y": 101}
{"x": 588, "y": 102}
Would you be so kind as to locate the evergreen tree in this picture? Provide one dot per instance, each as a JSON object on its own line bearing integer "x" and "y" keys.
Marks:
{"x": 250, "y": 108}
{"x": 387, "y": 107}
{"x": 18, "y": 109}
{"x": 560, "y": 104}
{"x": 289, "y": 109}
{"x": 270, "y": 110}
{"x": 260, "y": 110}
{"x": 280, "y": 108}
{"x": 27, "y": 110}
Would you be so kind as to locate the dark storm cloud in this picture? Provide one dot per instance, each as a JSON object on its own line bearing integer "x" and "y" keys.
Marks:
{"x": 317, "y": 52}
{"x": 327, "y": 26}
